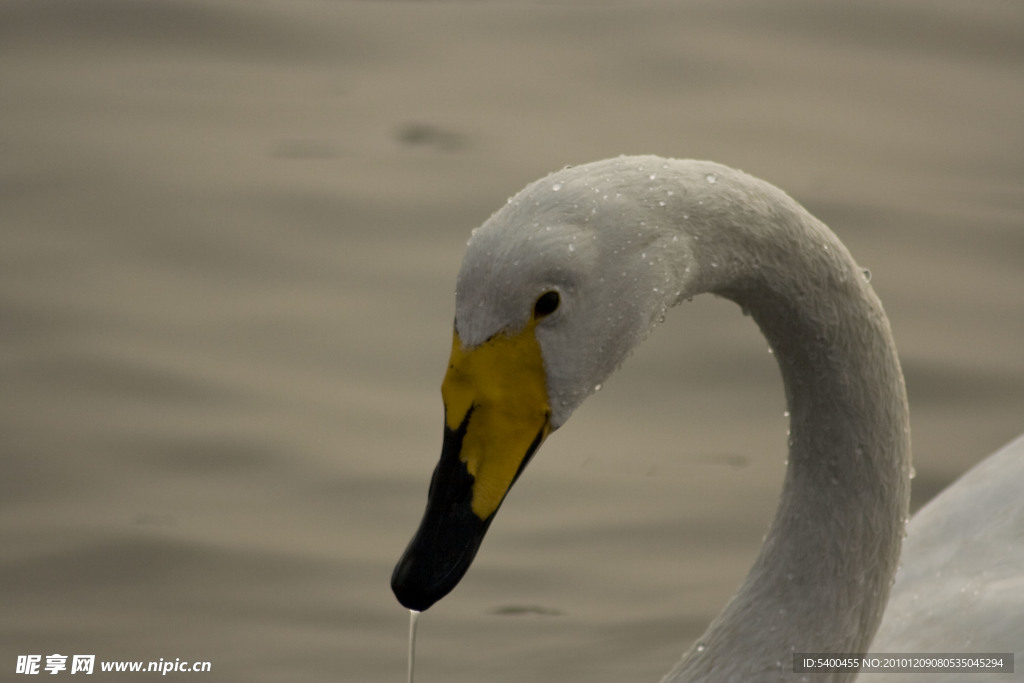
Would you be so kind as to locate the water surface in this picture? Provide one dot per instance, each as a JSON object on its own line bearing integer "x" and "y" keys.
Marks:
{"x": 229, "y": 234}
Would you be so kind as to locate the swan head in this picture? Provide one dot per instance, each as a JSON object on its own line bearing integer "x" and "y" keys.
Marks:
{"x": 555, "y": 290}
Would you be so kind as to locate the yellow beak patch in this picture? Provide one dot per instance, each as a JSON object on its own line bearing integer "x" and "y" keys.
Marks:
{"x": 497, "y": 392}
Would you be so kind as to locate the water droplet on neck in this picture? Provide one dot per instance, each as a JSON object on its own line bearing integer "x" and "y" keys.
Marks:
{"x": 867, "y": 275}
{"x": 556, "y": 187}
{"x": 711, "y": 178}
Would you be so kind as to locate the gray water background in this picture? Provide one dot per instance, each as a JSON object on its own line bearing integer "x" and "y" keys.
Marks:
{"x": 229, "y": 233}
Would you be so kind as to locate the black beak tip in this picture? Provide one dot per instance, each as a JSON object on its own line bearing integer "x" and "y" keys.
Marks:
{"x": 449, "y": 534}
{"x": 434, "y": 564}
{"x": 410, "y": 588}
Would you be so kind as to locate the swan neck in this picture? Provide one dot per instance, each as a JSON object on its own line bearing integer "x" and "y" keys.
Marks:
{"x": 821, "y": 581}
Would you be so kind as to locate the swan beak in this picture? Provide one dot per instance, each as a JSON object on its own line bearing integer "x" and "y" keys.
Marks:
{"x": 496, "y": 416}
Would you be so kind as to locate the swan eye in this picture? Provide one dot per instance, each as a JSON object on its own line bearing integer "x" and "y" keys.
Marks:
{"x": 546, "y": 304}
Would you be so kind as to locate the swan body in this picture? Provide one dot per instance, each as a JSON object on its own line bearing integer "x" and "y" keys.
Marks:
{"x": 557, "y": 288}
{"x": 960, "y": 586}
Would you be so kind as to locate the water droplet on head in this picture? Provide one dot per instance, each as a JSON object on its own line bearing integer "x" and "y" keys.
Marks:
{"x": 867, "y": 275}
{"x": 711, "y": 178}
{"x": 556, "y": 187}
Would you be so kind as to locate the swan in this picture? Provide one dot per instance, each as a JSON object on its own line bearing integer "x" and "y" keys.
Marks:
{"x": 562, "y": 282}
